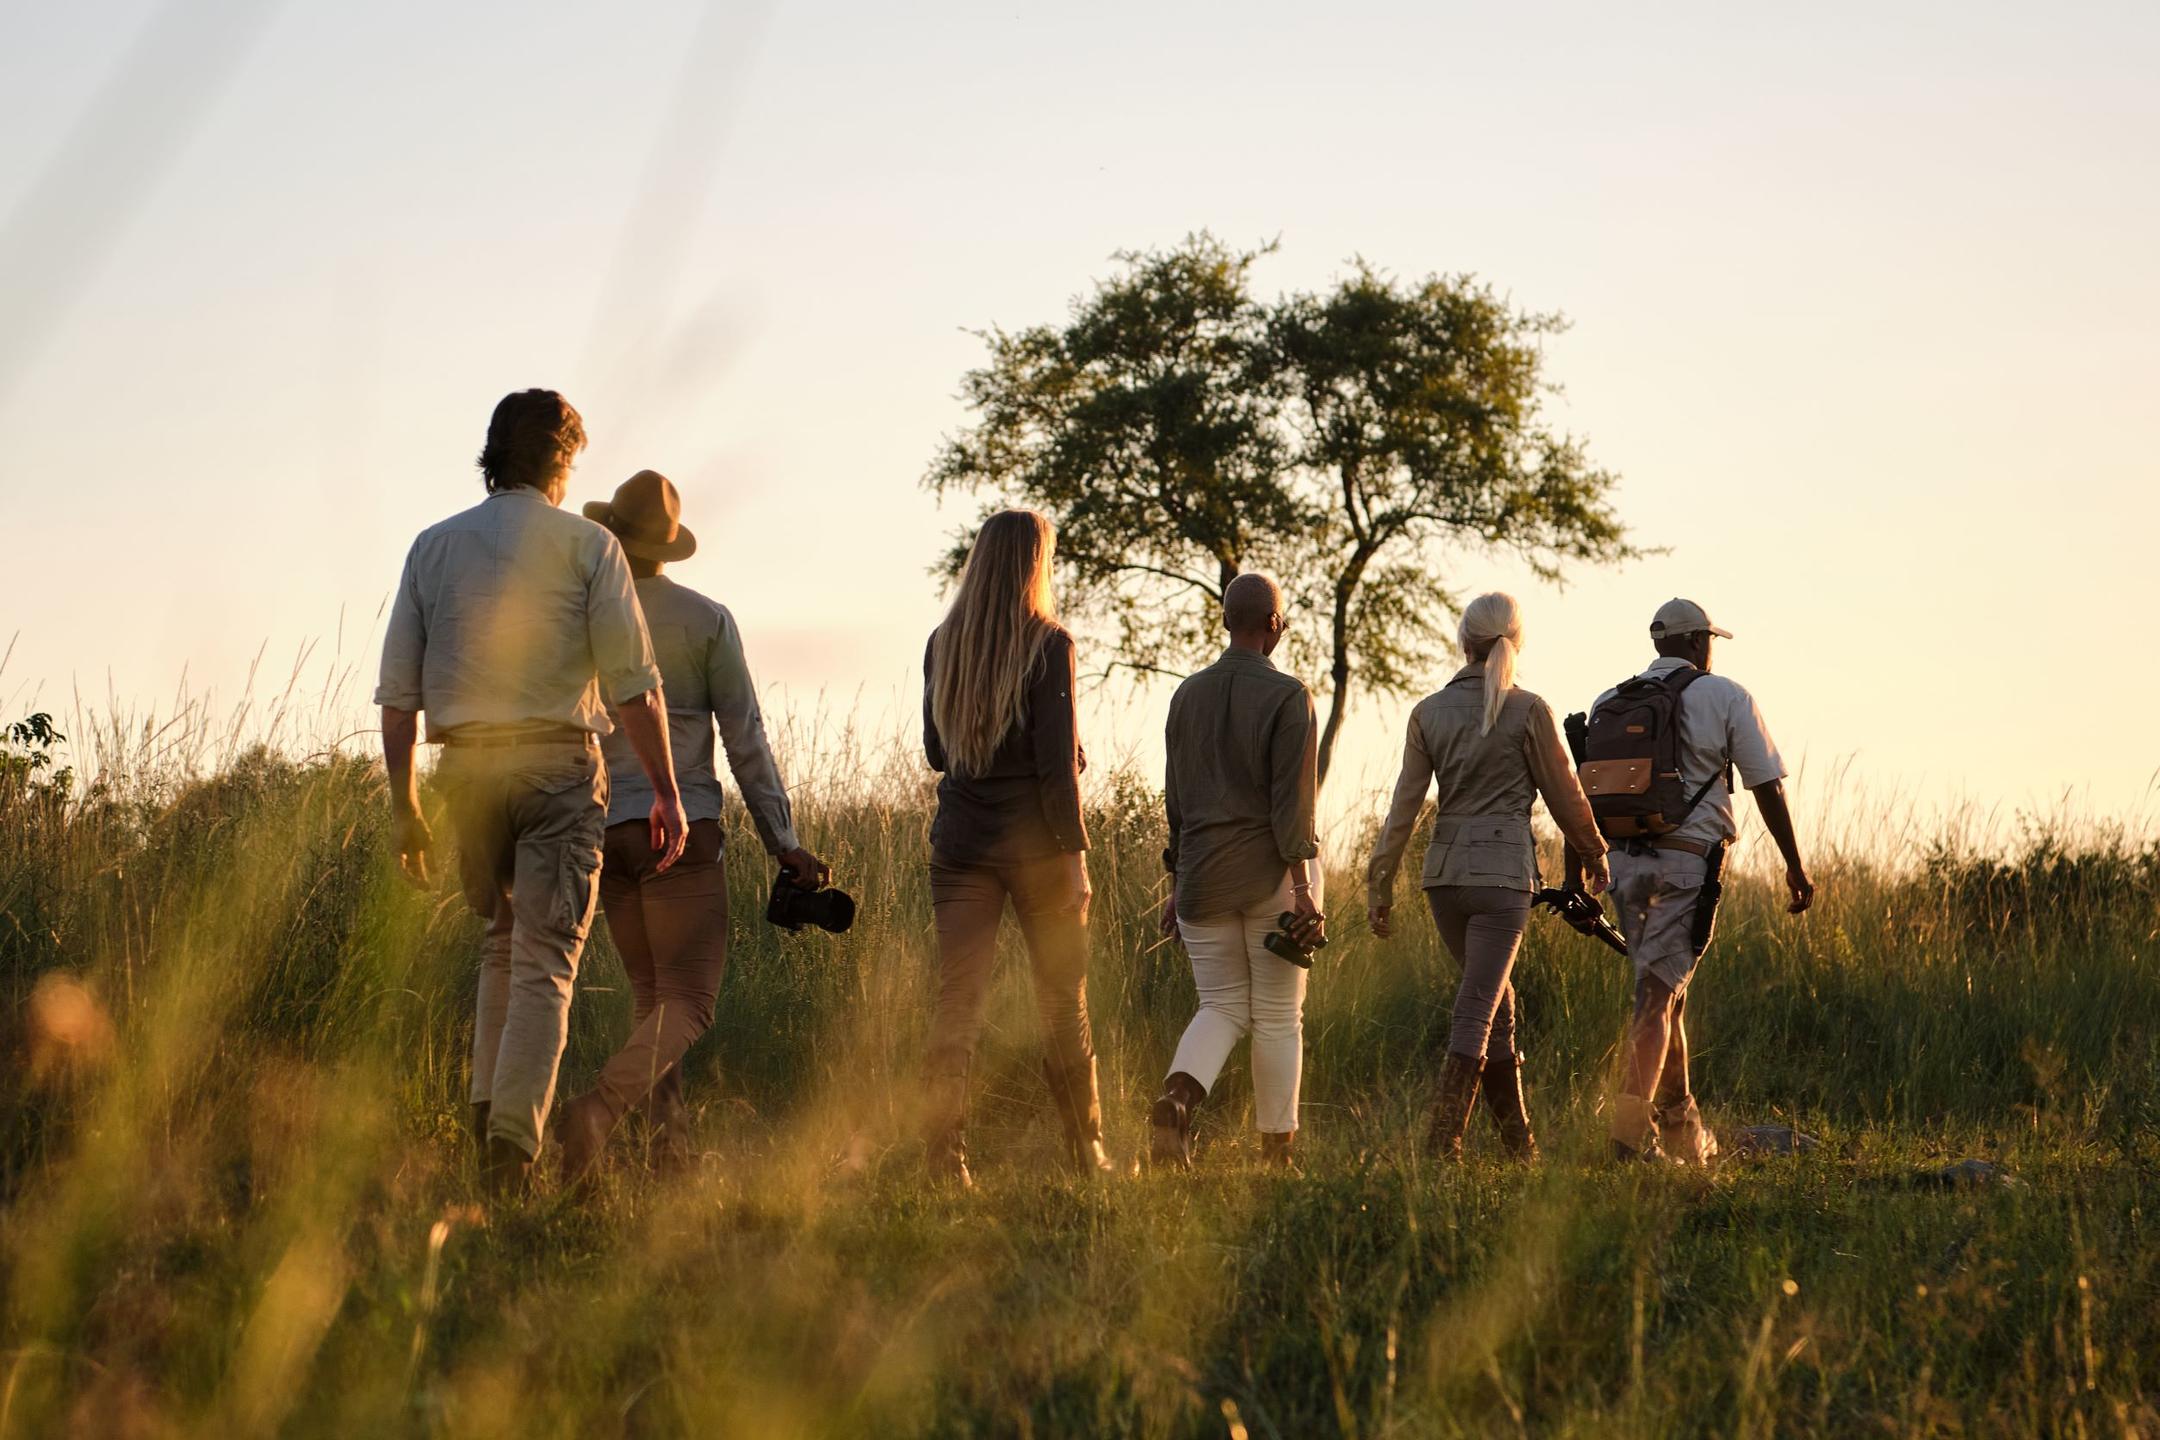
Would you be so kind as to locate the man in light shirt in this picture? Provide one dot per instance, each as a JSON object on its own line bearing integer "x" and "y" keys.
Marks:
{"x": 511, "y": 622}
{"x": 1666, "y": 888}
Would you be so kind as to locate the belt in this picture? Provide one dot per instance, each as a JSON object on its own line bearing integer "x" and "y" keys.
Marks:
{"x": 1693, "y": 847}
{"x": 503, "y": 739}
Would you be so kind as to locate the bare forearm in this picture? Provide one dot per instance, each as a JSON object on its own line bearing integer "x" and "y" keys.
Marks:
{"x": 1777, "y": 819}
{"x": 644, "y": 722}
{"x": 400, "y": 733}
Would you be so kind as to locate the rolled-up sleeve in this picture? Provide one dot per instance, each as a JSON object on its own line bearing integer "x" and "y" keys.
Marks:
{"x": 1411, "y": 784}
{"x": 404, "y": 646}
{"x": 1054, "y": 728}
{"x": 615, "y": 626}
{"x": 1554, "y": 775}
{"x": 742, "y": 734}
{"x": 1294, "y": 778}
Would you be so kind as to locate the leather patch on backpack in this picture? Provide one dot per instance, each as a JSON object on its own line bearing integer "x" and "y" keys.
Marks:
{"x": 1616, "y": 777}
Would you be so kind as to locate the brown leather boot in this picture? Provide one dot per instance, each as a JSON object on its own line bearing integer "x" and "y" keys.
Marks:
{"x": 1452, "y": 1106}
{"x": 1501, "y": 1085}
{"x": 1170, "y": 1121}
{"x": 668, "y": 1121}
{"x": 1634, "y": 1133}
{"x": 1279, "y": 1151}
{"x": 507, "y": 1174}
{"x": 1079, "y": 1107}
{"x": 945, "y": 1132}
{"x": 582, "y": 1128}
{"x": 1681, "y": 1133}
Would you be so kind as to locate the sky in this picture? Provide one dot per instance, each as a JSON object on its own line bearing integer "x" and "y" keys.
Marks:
{"x": 1864, "y": 314}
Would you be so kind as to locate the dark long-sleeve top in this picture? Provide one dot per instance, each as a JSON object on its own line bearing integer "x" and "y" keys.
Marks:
{"x": 1026, "y": 804}
{"x": 1241, "y": 781}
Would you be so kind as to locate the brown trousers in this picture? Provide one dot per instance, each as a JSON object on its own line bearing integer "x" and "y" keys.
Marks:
{"x": 671, "y": 930}
{"x": 969, "y": 902}
{"x": 1482, "y": 926}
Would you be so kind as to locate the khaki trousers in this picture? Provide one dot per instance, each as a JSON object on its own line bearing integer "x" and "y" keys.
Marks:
{"x": 969, "y": 902}
{"x": 671, "y": 930}
{"x": 528, "y": 821}
{"x": 1482, "y": 926}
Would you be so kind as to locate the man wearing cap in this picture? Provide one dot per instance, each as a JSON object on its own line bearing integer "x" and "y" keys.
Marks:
{"x": 1663, "y": 885}
{"x": 670, "y": 924}
{"x": 511, "y": 622}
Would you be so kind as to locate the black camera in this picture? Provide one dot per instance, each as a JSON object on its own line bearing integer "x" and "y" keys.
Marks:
{"x": 793, "y": 906}
{"x": 1281, "y": 941}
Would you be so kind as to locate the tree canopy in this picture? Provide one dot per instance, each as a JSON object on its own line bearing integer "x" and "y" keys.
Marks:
{"x": 1354, "y": 443}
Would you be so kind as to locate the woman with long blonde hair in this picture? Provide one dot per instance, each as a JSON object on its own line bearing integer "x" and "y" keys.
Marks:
{"x": 1491, "y": 748}
{"x": 999, "y": 724}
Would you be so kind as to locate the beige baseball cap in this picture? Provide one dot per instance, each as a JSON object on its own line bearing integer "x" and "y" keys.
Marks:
{"x": 1683, "y": 617}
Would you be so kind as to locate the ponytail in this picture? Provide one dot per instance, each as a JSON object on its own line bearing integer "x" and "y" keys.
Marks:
{"x": 1492, "y": 631}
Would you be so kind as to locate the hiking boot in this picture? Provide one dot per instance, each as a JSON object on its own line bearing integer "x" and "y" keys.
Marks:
{"x": 1634, "y": 1132}
{"x": 1170, "y": 1121}
{"x": 1452, "y": 1106}
{"x": 1501, "y": 1085}
{"x": 507, "y": 1171}
{"x": 1079, "y": 1107}
{"x": 581, "y": 1133}
{"x": 1279, "y": 1151}
{"x": 668, "y": 1140}
{"x": 1682, "y": 1135}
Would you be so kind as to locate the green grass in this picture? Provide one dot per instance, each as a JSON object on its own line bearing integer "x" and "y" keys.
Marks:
{"x": 237, "y": 1197}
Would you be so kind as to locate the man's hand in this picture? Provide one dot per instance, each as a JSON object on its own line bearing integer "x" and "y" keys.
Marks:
{"x": 804, "y": 868}
{"x": 1078, "y": 890}
{"x": 410, "y": 841}
{"x": 1597, "y": 875}
{"x": 1802, "y": 888}
{"x": 667, "y": 829}
{"x": 1169, "y": 911}
{"x": 1376, "y": 919}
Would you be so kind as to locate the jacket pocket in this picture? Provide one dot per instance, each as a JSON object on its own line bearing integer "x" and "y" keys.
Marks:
{"x": 1494, "y": 853}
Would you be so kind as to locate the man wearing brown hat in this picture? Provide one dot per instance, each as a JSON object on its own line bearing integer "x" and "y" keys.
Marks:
{"x": 511, "y": 623}
{"x": 1666, "y": 886}
{"x": 671, "y": 924}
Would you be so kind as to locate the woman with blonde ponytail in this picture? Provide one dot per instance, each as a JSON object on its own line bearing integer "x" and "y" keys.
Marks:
{"x": 1491, "y": 749}
{"x": 998, "y": 723}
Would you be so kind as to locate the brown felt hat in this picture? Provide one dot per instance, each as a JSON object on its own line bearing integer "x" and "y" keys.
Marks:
{"x": 646, "y": 515}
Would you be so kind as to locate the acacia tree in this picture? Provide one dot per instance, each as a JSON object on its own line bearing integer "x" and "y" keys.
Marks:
{"x": 1179, "y": 431}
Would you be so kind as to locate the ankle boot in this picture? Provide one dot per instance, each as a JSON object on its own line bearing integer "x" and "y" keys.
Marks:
{"x": 668, "y": 1119}
{"x": 1681, "y": 1133}
{"x": 945, "y": 1133}
{"x": 1079, "y": 1107}
{"x": 1501, "y": 1085}
{"x": 1279, "y": 1151}
{"x": 581, "y": 1134}
{"x": 1634, "y": 1133}
{"x": 478, "y": 1120}
{"x": 1170, "y": 1121}
{"x": 1451, "y": 1107}
{"x": 507, "y": 1173}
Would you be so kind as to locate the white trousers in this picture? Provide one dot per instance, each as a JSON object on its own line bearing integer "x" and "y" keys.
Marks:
{"x": 1247, "y": 989}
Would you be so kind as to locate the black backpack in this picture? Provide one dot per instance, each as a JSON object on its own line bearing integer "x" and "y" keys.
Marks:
{"x": 1631, "y": 758}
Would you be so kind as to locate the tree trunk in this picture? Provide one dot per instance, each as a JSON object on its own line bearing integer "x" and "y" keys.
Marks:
{"x": 1338, "y": 676}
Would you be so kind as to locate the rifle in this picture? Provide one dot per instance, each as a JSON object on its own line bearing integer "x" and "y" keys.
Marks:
{"x": 1581, "y": 910}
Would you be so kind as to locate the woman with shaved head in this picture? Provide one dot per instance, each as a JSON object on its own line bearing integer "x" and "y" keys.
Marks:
{"x": 1491, "y": 748}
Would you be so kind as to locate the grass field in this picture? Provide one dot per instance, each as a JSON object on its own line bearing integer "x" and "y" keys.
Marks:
{"x": 238, "y": 1201}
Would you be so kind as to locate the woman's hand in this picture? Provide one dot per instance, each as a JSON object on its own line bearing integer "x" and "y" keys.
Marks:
{"x": 1078, "y": 891}
{"x": 1376, "y": 920}
{"x": 1597, "y": 875}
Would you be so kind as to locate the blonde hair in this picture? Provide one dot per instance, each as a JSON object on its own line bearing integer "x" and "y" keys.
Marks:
{"x": 1492, "y": 631}
{"x": 992, "y": 637}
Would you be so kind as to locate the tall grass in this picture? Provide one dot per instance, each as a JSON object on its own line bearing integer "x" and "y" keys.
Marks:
{"x": 238, "y": 1199}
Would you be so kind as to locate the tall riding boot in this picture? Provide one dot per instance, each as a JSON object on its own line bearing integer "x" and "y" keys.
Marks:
{"x": 1634, "y": 1133}
{"x": 1682, "y": 1134}
{"x": 945, "y": 1131}
{"x": 508, "y": 1171}
{"x": 1278, "y": 1151}
{"x": 1079, "y": 1106}
{"x": 1170, "y": 1121}
{"x": 1451, "y": 1107}
{"x": 1501, "y": 1085}
{"x": 582, "y": 1127}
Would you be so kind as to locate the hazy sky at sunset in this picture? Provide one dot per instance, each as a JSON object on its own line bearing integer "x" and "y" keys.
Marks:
{"x": 1865, "y": 311}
